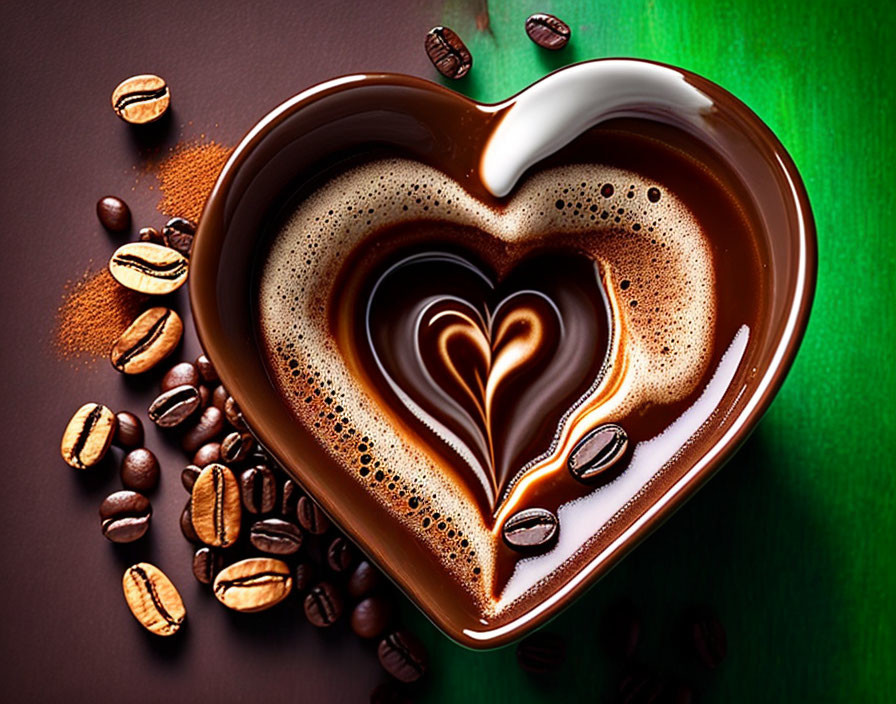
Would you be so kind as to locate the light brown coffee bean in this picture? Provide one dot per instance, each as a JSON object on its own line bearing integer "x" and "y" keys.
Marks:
{"x": 548, "y": 31}
{"x": 173, "y": 407}
{"x": 597, "y": 451}
{"x": 153, "y": 599}
{"x": 236, "y": 446}
{"x": 148, "y": 268}
{"x": 215, "y": 506}
{"x": 448, "y": 53}
{"x": 207, "y": 428}
{"x": 254, "y": 584}
{"x": 129, "y": 433}
{"x": 180, "y": 374}
{"x": 148, "y": 340}
{"x": 141, "y": 99}
{"x": 88, "y": 435}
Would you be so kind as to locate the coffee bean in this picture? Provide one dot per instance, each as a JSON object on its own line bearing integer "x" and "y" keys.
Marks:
{"x": 641, "y": 686}
{"x": 254, "y": 584}
{"x": 530, "y": 529}
{"x": 140, "y": 470}
{"x": 173, "y": 407}
{"x": 275, "y": 536}
{"x": 206, "y": 564}
{"x": 365, "y": 580}
{"x": 389, "y": 693}
{"x": 204, "y": 396}
{"x": 219, "y": 397}
{"x": 236, "y": 446}
{"x": 311, "y": 517}
{"x": 153, "y": 599}
{"x": 541, "y": 652}
{"x": 215, "y": 506}
{"x": 180, "y": 374}
{"x": 371, "y": 617}
{"x": 303, "y": 576}
{"x": 147, "y": 341}
{"x": 88, "y": 435}
{"x": 597, "y": 451}
{"x": 178, "y": 234}
{"x": 234, "y": 415}
{"x": 622, "y": 630}
{"x": 258, "y": 489}
{"x": 148, "y": 268}
{"x": 206, "y": 429}
{"x": 547, "y": 31}
{"x": 207, "y": 370}
{"x": 340, "y": 555}
{"x": 448, "y": 53}
{"x": 188, "y": 476}
{"x": 289, "y": 500}
{"x": 114, "y": 214}
{"x": 141, "y": 99}
{"x": 150, "y": 234}
{"x": 125, "y": 516}
{"x": 323, "y": 605}
{"x": 207, "y": 454}
{"x": 129, "y": 431}
{"x": 706, "y": 637}
{"x": 402, "y": 656}
{"x": 186, "y": 525}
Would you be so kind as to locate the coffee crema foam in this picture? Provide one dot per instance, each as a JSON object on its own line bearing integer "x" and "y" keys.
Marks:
{"x": 656, "y": 266}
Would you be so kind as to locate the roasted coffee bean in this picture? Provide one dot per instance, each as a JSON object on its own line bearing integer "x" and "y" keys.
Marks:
{"x": 597, "y": 452}
{"x": 125, "y": 516}
{"x": 150, "y": 234}
{"x": 258, "y": 489}
{"x": 706, "y": 636}
{"x": 622, "y": 630}
{"x": 215, "y": 506}
{"x": 188, "y": 476}
{"x": 129, "y": 431}
{"x": 311, "y": 517}
{"x": 173, "y": 407}
{"x": 371, "y": 616}
{"x": 219, "y": 397}
{"x": 140, "y": 470}
{"x": 365, "y": 580}
{"x": 88, "y": 435}
{"x": 207, "y": 454}
{"x": 547, "y": 31}
{"x": 531, "y": 528}
{"x": 323, "y": 605}
{"x": 303, "y": 576}
{"x": 541, "y": 652}
{"x": 234, "y": 415}
{"x": 340, "y": 554}
{"x": 186, "y": 525}
{"x": 254, "y": 584}
{"x": 141, "y": 99}
{"x": 289, "y": 499}
{"x": 153, "y": 599}
{"x": 180, "y": 374}
{"x": 207, "y": 370}
{"x": 148, "y": 268}
{"x": 205, "y": 396}
{"x": 236, "y": 446}
{"x": 389, "y": 693}
{"x": 178, "y": 234}
{"x": 206, "y": 429}
{"x": 448, "y": 53}
{"x": 114, "y": 214}
{"x": 206, "y": 565}
{"x": 402, "y": 656}
{"x": 275, "y": 536}
{"x": 148, "y": 340}
{"x": 641, "y": 686}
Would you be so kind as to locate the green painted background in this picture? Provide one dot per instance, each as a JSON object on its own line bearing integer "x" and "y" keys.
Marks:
{"x": 794, "y": 542}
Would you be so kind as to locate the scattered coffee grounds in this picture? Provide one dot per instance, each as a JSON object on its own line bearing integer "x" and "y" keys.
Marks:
{"x": 187, "y": 175}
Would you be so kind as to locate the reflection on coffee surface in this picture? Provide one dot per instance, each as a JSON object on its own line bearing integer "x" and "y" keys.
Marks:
{"x": 452, "y": 353}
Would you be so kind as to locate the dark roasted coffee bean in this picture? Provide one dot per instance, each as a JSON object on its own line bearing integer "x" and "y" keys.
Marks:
{"x": 180, "y": 374}
{"x": 125, "y": 516}
{"x": 173, "y": 407}
{"x": 448, "y": 53}
{"x": 178, "y": 234}
{"x": 340, "y": 554}
{"x": 258, "y": 489}
{"x": 706, "y": 636}
{"x": 622, "y": 630}
{"x": 215, "y": 506}
{"x": 289, "y": 499}
{"x": 323, "y": 605}
{"x": 206, "y": 429}
{"x": 303, "y": 576}
{"x": 88, "y": 435}
{"x": 365, "y": 580}
{"x": 148, "y": 268}
{"x": 153, "y": 599}
{"x": 311, "y": 517}
{"x": 140, "y": 470}
{"x": 207, "y": 454}
{"x": 275, "y": 536}
{"x": 129, "y": 433}
{"x": 189, "y": 475}
{"x": 236, "y": 446}
{"x": 114, "y": 214}
{"x": 547, "y": 31}
{"x": 186, "y": 525}
{"x": 641, "y": 686}
{"x": 234, "y": 415}
{"x": 371, "y": 617}
{"x": 255, "y": 584}
{"x": 531, "y": 529}
{"x": 150, "y": 234}
{"x": 141, "y": 99}
{"x": 402, "y": 656}
{"x": 541, "y": 652}
{"x": 207, "y": 370}
{"x": 205, "y": 396}
{"x": 147, "y": 341}
{"x": 219, "y": 397}
{"x": 206, "y": 565}
{"x": 389, "y": 693}
{"x": 597, "y": 451}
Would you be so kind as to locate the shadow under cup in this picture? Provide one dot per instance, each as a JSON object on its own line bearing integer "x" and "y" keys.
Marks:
{"x": 312, "y": 136}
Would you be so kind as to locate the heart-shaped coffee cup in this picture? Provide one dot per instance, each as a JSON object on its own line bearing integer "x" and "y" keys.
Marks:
{"x": 489, "y": 154}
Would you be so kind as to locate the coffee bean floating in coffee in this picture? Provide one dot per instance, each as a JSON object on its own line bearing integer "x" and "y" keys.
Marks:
{"x": 323, "y": 605}
{"x": 448, "y": 53}
{"x": 541, "y": 652}
{"x": 215, "y": 506}
{"x": 206, "y": 565}
{"x": 129, "y": 431}
{"x": 147, "y": 341}
{"x": 140, "y": 470}
{"x": 141, "y": 99}
{"x": 125, "y": 516}
{"x": 178, "y": 234}
{"x": 531, "y": 529}
{"x": 597, "y": 451}
{"x": 113, "y": 213}
{"x": 254, "y": 584}
{"x": 88, "y": 435}
{"x": 153, "y": 599}
{"x": 275, "y": 536}
{"x": 402, "y": 656}
{"x": 258, "y": 489}
{"x": 548, "y": 31}
{"x": 148, "y": 268}
{"x": 173, "y": 407}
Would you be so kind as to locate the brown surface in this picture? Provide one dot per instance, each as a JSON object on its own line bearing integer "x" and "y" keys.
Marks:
{"x": 67, "y": 632}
